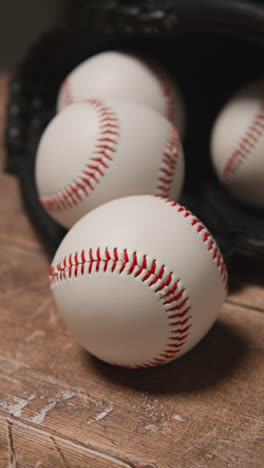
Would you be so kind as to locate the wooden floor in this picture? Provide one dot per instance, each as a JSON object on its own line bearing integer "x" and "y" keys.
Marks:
{"x": 60, "y": 407}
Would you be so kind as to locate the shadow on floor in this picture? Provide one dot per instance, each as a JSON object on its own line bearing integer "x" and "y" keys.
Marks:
{"x": 218, "y": 356}
{"x": 244, "y": 271}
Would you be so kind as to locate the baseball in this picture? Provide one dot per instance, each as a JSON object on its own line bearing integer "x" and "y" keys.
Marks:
{"x": 117, "y": 74}
{"x": 139, "y": 281}
{"x": 95, "y": 151}
{"x": 237, "y": 145}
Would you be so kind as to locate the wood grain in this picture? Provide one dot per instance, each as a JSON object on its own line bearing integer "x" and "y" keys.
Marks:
{"x": 61, "y": 407}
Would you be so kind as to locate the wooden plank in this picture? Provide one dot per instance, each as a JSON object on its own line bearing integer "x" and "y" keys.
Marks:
{"x": 49, "y": 450}
{"x": 14, "y": 225}
{"x": 204, "y": 408}
{"x": 21, "y": 271}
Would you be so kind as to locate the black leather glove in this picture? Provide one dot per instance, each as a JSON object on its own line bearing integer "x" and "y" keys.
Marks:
{"x": 211, "y": 48}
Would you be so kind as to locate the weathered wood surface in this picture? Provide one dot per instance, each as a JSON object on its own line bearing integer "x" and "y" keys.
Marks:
{"x": 60, "y": 407}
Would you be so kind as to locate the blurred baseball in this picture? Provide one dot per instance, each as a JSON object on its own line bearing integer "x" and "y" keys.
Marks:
{"x": 139, "y": 281}
{"x": 117, "y": 74}
{"x": 95, "y": 151}
{"x": 237, "y": 145}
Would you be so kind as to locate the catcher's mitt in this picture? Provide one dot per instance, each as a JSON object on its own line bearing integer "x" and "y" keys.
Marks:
{"x": 211, "y": 48}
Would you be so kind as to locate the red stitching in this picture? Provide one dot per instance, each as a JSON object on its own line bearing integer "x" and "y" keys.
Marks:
{"x": 246, "y": 144}
{"x": 169, "y": 161}
{"x": 91, "y": 173}
{"x": 206, "y": 238}
{"x": 105, "y": 260}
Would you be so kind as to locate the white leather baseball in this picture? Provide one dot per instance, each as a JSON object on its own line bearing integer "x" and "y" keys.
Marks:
{"x": 95, "y": 151}
{"x": 139, "y": 281}
{"x": 237, "y": 145}
{"x": 117, "y": 74}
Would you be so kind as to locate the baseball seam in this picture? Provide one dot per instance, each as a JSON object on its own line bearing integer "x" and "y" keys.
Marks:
{"x": 245, "y": 146}
{"x": 176, "y": 301}
{"x": 103, "y": 154}
{"x": 168, "y": 164}
{"x": 206, "y": 238}
{"x": 94, "y": 170}
{"x": 174, "y": 297}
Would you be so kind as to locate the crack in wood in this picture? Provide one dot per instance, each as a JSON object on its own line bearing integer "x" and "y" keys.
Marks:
{"x": 12, "y": 453}
{"x": 245, "y": 306}
{"x": 64, "y": 461}
{"x": 124, "y": 462}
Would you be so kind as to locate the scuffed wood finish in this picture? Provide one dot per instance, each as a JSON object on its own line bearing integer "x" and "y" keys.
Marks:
{"x": 60, "y": 407}
{"x": 50, "y": 450}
